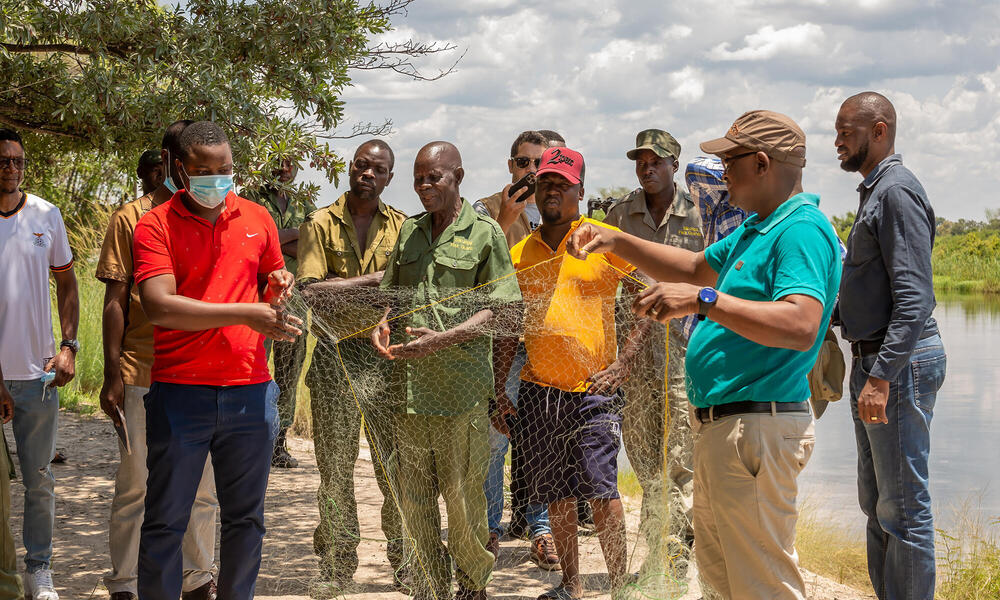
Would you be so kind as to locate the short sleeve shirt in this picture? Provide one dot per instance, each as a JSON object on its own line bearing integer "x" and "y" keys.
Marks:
{"x": 292, "y": 217}
{"x": 329, "y": 247}
{"x": 569, "y": 321}
{"x": 680, "y": 227}
{"x": 444, "y": 281}
{"x": 33, "y": 243}
{"x": 116, "y": 264}
{"x": 792, "y": 251}
{"x": 212, "y": 263}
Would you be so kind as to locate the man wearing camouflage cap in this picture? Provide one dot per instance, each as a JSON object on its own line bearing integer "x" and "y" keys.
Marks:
{"x": 764, "y": 294}
{"x": 662, "y": 212}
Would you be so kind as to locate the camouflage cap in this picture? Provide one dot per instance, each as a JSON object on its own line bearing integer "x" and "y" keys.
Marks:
{"x": 660, "y": 142}
{"x": 150, "y": 158}
{"x": 772, "y": 133}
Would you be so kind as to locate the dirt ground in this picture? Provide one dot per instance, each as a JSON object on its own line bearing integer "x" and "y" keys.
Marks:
{"x": 289, "y": 571}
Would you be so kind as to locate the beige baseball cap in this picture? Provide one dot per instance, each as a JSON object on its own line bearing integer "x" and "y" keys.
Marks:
{"x": 772, "y": 133}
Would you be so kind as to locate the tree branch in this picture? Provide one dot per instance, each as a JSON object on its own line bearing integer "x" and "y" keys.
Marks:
{"x": 120, "y": 52}
{"x": 23, "y": 125}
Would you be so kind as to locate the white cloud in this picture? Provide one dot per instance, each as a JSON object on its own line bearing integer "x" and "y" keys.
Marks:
{"x": 768, "y": 42}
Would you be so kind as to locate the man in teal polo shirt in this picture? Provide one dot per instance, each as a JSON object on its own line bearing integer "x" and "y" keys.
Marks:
{"x": 766, "y": 293}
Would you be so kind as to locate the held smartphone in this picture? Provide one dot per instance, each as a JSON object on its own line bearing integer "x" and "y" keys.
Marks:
{"x": 528, "y": 181}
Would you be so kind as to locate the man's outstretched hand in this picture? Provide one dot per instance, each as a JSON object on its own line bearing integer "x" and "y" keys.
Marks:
{"x": 589, "y": 238}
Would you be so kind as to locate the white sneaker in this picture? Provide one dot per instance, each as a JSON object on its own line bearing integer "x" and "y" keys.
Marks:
{"x": 39, "y": 586}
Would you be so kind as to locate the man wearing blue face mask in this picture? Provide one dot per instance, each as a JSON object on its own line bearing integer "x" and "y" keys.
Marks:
{"x": 211, "y": 279}
{"x": 128, "y": 358}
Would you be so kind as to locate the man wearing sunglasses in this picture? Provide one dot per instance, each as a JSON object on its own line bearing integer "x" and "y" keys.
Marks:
{"x": 764, "y": 295}
{"x": 34, "y": 244}
{"x": 518, "y": 216}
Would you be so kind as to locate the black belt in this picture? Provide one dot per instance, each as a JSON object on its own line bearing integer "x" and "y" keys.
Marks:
{"x": 866, "y": 347}
{"x": 714, "y": 413}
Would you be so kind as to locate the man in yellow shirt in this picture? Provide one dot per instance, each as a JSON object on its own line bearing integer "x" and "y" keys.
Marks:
{"x": 570, "y": 411}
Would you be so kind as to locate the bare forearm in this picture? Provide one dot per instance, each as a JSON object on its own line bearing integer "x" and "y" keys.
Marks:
{"x": 187, "y": 314}
{"x": 637, "y": 338}
{"x": 339, "y": 284}
{"x": 68, "y": 299}
{"x": 287, "y": 235}
{"x": 663, "y": 262}
{"x": 470, "y": 329}
{"x": 504, "y": 349}
{"x": 113, "y": 327}
{"x": 781, "y": 324}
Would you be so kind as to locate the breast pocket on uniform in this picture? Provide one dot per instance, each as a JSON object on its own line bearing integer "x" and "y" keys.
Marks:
{"x": 342, "y": 257}
{"x": 454, "y": 271}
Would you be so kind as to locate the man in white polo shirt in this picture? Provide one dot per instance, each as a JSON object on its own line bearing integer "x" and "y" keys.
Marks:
{"x": 33, "y": 243}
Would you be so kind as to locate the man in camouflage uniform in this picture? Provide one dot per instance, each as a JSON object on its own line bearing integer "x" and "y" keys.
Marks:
{"x": 660, "y": 211}
{"x": 344, "y": 249}
{"x": 288, "y": 212}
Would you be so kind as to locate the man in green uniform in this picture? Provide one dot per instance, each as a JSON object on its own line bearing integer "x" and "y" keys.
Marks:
{"x": 343, "y": 251}
{"x": 445, "y": 365}
{"x": 288, "y": 212}
{"x": 661, "y": 212}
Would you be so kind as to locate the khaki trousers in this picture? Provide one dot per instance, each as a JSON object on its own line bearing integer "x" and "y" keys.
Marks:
{"x": 445, "y": 456}
{"x": 10, "y": 582}
{"x": 745, "y": 470}
{"x": 665, "y": 516}
{"x": 128, "y": 506}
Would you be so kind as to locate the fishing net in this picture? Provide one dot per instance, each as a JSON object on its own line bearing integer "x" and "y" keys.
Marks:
{"x": 424, "y": 423}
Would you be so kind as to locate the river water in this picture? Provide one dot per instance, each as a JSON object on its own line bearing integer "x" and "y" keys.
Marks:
{"x": 965, "y": 431}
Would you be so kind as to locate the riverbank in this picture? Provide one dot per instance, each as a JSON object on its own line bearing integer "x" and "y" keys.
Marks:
{"x": 967, "y": 263}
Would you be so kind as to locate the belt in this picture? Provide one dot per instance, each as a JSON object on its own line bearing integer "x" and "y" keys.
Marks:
{"x": 866, "y": 347}
{"x": 714, "y": 413}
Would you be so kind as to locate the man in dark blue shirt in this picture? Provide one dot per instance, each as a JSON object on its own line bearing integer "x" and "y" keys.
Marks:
{"x": 886, "y": 301}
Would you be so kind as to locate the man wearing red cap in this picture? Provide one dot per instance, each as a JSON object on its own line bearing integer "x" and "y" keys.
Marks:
{"x": 569, "y": 409}
{"x": 765, "y": 294}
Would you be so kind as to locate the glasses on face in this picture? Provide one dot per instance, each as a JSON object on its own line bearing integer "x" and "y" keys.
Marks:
{"x": 522, "y": 162}
{"x": 727, "y": 162}
{"x": 18, "y": 163}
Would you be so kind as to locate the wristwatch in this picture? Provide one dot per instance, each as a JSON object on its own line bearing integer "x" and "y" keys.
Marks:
{"x": 707, "y": 298}
{"x": 73, "y": 345}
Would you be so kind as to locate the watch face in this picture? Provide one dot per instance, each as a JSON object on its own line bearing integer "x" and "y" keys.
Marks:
{"x": 708, "y": 295}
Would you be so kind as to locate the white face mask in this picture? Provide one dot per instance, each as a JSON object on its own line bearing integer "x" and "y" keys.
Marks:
{"x": 209, "y": 190}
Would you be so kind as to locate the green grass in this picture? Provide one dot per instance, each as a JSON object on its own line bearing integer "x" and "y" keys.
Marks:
{"x": 967, "y": 263}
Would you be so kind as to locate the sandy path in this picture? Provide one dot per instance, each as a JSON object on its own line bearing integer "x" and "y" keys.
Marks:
{"x": 85, "y": 485}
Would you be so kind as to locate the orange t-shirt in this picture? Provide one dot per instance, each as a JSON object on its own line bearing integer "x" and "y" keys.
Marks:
{"x": 569, "y": 322}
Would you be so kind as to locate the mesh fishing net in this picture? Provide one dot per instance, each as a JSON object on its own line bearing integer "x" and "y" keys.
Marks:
{"x": 425, "y": 419}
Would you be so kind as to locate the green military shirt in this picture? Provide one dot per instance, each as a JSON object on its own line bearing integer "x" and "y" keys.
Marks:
{"x": 470, "y": 252}
{"x": 680, "y": 227}
{"x": 329, "y": 247}
{"x": 292, "y": 218}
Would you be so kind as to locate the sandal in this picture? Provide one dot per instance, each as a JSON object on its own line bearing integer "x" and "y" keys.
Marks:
{"x": 559, "y": 593}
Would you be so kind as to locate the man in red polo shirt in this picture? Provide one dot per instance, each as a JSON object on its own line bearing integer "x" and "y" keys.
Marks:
{"x": 204, "y": 260}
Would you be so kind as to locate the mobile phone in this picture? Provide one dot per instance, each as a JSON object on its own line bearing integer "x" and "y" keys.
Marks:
{"x": 528, "y": 181}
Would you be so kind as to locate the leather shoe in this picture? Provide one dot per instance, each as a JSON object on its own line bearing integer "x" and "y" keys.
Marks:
{"x": 205, "y": 592}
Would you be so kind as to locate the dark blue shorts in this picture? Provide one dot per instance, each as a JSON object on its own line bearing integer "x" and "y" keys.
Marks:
{"x": 569, "y": 442}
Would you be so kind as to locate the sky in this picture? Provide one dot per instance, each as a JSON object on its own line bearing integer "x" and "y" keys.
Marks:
{"x": 598, "y": 72}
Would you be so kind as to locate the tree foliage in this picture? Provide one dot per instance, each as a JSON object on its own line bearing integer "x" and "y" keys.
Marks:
{"x": 99, "y": 80}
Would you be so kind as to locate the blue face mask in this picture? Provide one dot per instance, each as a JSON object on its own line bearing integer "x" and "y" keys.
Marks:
{"x": 169, "y": 184}
{"x": 209, "y": 190}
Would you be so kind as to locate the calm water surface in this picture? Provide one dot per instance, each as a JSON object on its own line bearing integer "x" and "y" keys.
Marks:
{"x": 965, "y": 431}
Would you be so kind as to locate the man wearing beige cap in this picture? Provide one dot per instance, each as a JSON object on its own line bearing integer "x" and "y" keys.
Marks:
{"x": 764, "y": 295}
{"x": 662, "y": 212}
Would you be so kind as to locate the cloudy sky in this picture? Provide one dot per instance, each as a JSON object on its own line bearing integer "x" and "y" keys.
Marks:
{"x": 600, "y": 71}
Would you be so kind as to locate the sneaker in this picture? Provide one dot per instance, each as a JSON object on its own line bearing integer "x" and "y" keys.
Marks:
{"x": 281, "y": 458}
{"x": 205, "y": 592}
{"x": 39, "y": 586}
{"x": 494, "y": 545}
{"x": 543, "y": 553}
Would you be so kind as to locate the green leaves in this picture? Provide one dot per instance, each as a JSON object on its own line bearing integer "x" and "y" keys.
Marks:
{"x": 103, "y": 78}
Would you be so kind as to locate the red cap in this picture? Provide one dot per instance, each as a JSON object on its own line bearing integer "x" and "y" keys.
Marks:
{"x": 566, "y": 162}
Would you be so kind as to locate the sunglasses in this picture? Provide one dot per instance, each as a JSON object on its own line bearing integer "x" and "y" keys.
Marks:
{"x": 18, "y": 163}
{"x": 522, "y": 162}
{"x": 727, "y": 162}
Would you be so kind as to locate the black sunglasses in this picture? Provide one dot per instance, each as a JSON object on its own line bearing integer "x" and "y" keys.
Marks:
{"x": 18, "y": 163}
{"x": 522, "y": 162}
{"x": 729, "y": 160}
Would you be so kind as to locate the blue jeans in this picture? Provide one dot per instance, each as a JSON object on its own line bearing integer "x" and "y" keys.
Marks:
{"x": 184, "y": 423}
{"x": 36, "y": 419}
{"x": 536, "y": 515}
{"x": 893, "y": 475}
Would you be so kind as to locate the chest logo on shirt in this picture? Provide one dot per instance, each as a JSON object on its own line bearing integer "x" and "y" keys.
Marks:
{"x": 739, "y": 265}
{"x": 39, "y": 239}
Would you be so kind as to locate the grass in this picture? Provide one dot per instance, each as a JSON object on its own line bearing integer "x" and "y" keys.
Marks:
{"x": 967, "y": 263}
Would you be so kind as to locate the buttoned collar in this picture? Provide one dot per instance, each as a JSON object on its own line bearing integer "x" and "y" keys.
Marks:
{"x": 887, "y": 163}
{"x": 466, "y": 217}
{"x": 785, "y": 209}
{"x": 339, "y": 208}
{"x": 681, "y": 206}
